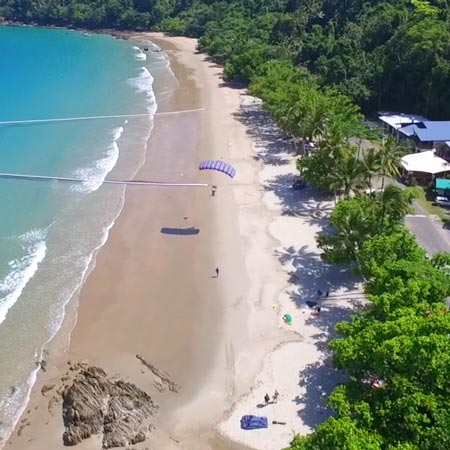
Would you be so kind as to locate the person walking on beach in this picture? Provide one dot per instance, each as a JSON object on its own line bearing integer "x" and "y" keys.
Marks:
{"x": 217, "y": 272}
{"x": 213, "y": 190}
{"x": 266, "y": 399}
{"x": 327, "y": 293}
{"x": 276, "y": 394}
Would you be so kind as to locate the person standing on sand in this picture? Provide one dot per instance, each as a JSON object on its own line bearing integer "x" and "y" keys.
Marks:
{"x": 213, "y": 190}
{"x": 276, "y": 394}
{"x": 266, "y": 399}
{"x": 217, "y": 272}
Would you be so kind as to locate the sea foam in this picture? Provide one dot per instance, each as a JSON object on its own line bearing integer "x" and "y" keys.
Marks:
{"x": 140, "y": 55}
{"x": 143, "y": 84}
{"x": 22, "y": 269}
{"x": 97, "y": 172}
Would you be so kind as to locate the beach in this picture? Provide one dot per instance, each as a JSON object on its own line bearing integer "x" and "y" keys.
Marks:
{"x": 220, "y": 340}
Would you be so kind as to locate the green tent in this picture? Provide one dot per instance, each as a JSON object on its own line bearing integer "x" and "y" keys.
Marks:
{"x": 287, "y": 319}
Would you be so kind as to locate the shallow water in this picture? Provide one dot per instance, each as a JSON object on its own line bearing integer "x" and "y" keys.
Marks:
{"x": 50, "y": 230}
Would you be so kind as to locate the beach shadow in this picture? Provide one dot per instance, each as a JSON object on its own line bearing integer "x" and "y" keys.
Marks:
{"x": 320, "y": 378}
{"x": 180, "y": 231}
{"x": 273, "y": 149}
{"x": 330, "y": 315}
{"x": 314, "y": 207}
{"x": 233, "y": 85}
{"x": 310, "y": 273}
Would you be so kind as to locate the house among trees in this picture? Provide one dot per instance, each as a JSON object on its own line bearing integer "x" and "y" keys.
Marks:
{"x": 431, "y": 140}
{"x": 394, "y": 122}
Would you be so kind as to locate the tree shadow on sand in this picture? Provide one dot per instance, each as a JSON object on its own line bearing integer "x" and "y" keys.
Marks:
{"x": 310, "y": 274}
{"x": 308, "y": 203}
{"x": 272, "y": 148}
{"x": 320, "y": 378}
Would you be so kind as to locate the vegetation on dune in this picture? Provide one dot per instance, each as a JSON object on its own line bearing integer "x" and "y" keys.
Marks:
{"x": 395, "y": 351}
{"x": 400, "y": 341}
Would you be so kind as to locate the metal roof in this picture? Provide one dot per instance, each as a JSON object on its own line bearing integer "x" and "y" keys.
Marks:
{"x": 397, "y": 121}
{"x": 407, "y": 131}
{"x": 436, "y": 131}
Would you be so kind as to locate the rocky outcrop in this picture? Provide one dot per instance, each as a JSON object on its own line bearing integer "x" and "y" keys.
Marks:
{"x": 94, "y": 404}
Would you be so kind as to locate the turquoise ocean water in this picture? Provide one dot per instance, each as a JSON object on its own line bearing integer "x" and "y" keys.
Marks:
{"x": 50, "y": 231}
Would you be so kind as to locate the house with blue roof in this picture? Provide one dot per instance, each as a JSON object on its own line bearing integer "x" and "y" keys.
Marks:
{"x": 428, "y": 134}
{"x": 431, "y": 141}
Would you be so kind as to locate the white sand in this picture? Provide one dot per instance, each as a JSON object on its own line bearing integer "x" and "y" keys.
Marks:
{"x": 301, "y": 370}
{"x": 264, "y": 238}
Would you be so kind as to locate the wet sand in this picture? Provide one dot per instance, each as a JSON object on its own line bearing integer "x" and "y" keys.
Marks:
{"x": 154, "y": 293}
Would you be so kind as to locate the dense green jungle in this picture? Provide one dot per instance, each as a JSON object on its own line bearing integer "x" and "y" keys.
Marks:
{"x": 392, "y": 55}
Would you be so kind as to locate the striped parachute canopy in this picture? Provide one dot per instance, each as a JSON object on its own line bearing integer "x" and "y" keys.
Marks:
{"x": 218, "y": 165}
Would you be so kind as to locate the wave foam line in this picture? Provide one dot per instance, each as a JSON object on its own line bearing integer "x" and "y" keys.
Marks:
{"x": 96, "y": 173}
{"x": 69, "y": 119}
{"x": 22, "y": 269}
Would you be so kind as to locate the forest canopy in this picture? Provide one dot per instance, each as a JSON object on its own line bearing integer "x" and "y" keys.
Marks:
{"x": 381, "y": 54}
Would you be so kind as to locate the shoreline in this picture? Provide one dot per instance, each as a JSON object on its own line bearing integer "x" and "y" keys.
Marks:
{"x": 156, "y": 295}
{"x": 56, "y": 335}
{"x": 57, "y": 367}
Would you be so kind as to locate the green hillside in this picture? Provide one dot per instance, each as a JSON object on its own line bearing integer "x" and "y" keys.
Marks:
{"x": 382, "y": 54}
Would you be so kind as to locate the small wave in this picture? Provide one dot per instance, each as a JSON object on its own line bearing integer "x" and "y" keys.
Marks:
{"x": 96, "y": 174}
{"x": 14, "y": 404}
{"x": 143, "y": 84}
{"x": 140, "y": 55}
{"x": 22, "y": 269}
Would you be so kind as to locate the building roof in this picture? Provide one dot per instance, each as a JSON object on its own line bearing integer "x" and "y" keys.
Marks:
{"x": 442, "y": 183}
{"x": 400, "y": 120}
{"x": 407, "y": 131}
{"x": 433, "y": 131}
{"x": 426, "y": 162}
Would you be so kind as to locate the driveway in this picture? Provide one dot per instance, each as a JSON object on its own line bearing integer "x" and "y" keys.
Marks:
{"x": 429, "y": 231}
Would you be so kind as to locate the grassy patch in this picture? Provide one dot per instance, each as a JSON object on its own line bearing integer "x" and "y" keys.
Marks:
{"x": 426, "y": 199}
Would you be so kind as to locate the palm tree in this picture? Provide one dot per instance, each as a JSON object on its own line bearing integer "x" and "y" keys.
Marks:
{"x": 352, "y": 230}
{"x": 389, "y": 156}
{"x": 351, "y": 171}
{"x": 371, "y": 163}
{"x": 287, "y": 117}
{"x": 333, "y": 141}
{"x": 311, "y": 120}
{"x": 395, "y": 203}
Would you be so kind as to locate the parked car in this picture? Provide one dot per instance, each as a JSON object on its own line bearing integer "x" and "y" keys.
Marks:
{"x": 442, "y": 201}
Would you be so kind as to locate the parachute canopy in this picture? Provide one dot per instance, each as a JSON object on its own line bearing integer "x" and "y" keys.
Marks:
{"x": 218, "y": 165}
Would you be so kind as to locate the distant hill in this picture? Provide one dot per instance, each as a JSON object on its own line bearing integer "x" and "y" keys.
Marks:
{"x": 383, "y": 54}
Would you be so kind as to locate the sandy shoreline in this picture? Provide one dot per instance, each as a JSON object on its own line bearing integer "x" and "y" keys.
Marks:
{"x": 154, "y": 294}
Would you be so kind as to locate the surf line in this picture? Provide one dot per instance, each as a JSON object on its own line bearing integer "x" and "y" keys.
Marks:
{"x": 21, "y": 176}
{"x": 116, "y": 116}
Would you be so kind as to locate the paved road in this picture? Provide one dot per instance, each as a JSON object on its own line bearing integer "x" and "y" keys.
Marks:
{"x": 430, "y": 232}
